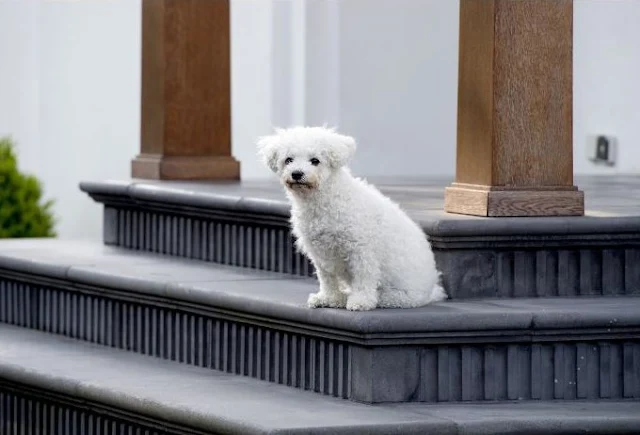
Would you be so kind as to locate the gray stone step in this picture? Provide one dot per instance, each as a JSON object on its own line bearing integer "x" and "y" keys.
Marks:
{"x": 246, "y": 224}
{"x": 50, "y": 384}
{"x": 255, "y": 324}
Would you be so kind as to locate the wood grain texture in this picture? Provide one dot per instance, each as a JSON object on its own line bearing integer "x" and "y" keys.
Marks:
{"x": 186, "y": 80}
{"x": 466, "y": 201}
{"x": 159, "y": 167}
{"x": 536, "y": 203}
{"x": 198, "y": 80}
{"x": 533, "y": 93}
{"x": 510, "y": 188}
{"x": 152, "y": 102}
{"x": 475, "y": 92}
{"x": 515, "y": 110}
{"x": 514, "y": 203}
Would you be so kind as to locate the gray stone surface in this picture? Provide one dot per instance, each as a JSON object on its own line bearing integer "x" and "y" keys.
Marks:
{"x": 284, "y": 297}
{"x": 246, "y": 224}
{"x": 255, "y": 324}
{"x": 533, "y": 418}
{"x": 161, "y": 391}
{"x": 613, "y": 206}
{"x": 564, "y": 271}
{"x": 617, "y": 195}
{"x": 192, "y": 397}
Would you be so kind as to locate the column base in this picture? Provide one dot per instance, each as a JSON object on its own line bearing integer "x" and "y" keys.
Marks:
{"x": 158, "y": 167}
{"x": 478, "y": 200}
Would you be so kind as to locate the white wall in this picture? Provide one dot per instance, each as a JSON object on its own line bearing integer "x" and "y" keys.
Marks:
{"x": 251, "y": 80}
{"x": 384, "y": 71}
{"x": 19, "y": 65}
{"x": 607, "y": 80}
{"x": 392, "y": 88}
{"x": 70, "y": 97}
{"x": 398, "y": 84}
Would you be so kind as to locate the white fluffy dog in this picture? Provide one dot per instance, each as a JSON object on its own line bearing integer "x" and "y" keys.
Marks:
{"x": 366, "y": 251}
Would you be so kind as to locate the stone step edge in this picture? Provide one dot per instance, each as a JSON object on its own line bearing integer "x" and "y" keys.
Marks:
{"x": 441, "y": 227}
{"x": 51, "y": 399}
{"x": 183, "y": 408}
{"x": 478, "y": 257}
{"x": 417, "y": 326}
{"x": 114, "y": 385}
{"x": 394, "y": 370}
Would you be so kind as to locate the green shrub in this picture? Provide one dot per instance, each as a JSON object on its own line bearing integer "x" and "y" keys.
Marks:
{"x": 21, "y": 212}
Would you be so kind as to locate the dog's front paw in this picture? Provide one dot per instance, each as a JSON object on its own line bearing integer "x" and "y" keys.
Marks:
{"x": 320, "y": 299}
{"x": 361, "y": 302}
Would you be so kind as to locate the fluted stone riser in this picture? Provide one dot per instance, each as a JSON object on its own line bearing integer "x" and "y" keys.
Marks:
{"x": 467, "y": 273}
{"x": 302, "y": 362}
{"x": 427, "y": 373}
{"x": 565, "y": 371}
{"x": 232, "y": 243}
{"x": 541, "y": 272}
{"x": 31, "y": 412}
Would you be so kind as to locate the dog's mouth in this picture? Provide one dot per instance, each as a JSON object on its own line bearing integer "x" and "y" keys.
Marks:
{"x": 299, "y": 185}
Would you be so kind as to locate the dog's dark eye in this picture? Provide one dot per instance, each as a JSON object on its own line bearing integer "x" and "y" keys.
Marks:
{"x": 314, "y": 161}
{"x": 288, "y": 160}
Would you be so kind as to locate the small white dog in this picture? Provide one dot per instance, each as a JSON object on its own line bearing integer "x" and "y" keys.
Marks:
{"x": 366, "y": 251}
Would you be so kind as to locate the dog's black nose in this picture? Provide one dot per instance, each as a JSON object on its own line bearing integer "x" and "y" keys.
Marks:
{"x": 297, "y": 175}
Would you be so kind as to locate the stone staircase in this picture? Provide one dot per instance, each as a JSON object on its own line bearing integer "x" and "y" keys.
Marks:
{"x": 190, "y": 318}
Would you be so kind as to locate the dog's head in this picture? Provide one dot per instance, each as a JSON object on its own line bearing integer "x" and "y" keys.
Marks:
{"x": 304, "y": 157}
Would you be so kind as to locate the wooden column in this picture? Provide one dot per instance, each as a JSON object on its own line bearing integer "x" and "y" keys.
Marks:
{"x": 186, "y": 97}
{"x": 514, "y": 144}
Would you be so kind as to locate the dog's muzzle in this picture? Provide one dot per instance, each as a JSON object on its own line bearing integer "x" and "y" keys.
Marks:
{"x": 298, "y": 185}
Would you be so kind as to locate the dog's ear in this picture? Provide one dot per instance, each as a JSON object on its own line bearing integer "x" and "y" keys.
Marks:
{"x": 268, "y": 151}
{"x": 342, "y": 149}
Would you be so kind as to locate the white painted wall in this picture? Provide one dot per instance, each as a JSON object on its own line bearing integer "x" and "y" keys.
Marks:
{"x": 398, "y": 84}
{"x": 19, "y": 70}
{"x": 607, "y": 80}
{"x": 384, "y": 71}
{"x": 251, "y": 80}
{"x": 69, "y": 95}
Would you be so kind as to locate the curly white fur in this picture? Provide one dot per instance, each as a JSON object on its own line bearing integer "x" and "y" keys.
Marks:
{"x": 367, "y": 252}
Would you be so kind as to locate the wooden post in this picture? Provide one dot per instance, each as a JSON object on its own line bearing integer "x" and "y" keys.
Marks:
{"x": 186, "y": 102}
{"x": 514, "y": 145}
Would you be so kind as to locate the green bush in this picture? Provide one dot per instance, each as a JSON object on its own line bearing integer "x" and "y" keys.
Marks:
{"x": 21, "y": 212}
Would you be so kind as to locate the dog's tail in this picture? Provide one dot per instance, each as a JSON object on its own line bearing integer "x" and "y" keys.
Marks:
{"x": 412, "y": 298}
{"x": 437, "y": 293}
{"x": 420, "y": 298}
